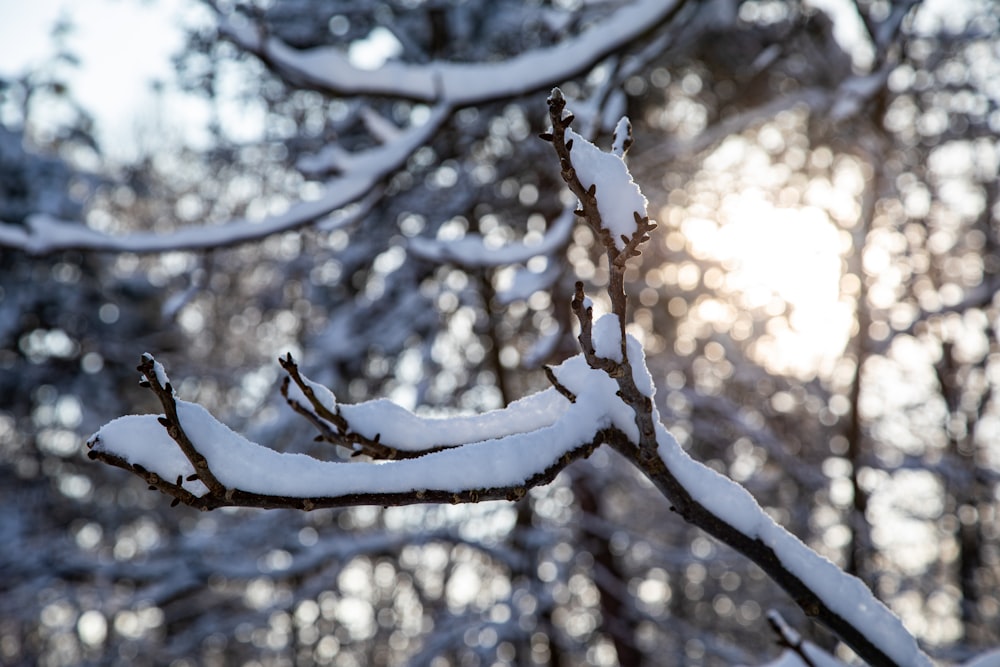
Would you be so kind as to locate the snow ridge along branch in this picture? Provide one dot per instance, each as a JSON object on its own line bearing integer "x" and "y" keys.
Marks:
{"x": 602, "y": 396}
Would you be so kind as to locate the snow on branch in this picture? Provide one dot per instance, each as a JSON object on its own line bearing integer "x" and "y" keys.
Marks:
{"x": 459, "y": 84}
{"x": 809, "y": 654}
{"x": 193, "y": 457}
{"x": 345, "y": 199}
{"x": 472, "y": 250}
{"x": 604, "y": 395}
{"x": 44, "y": 234}
{"x": 381, "y": 160}
{"x": 618, "y": 216}
{"x": 365, "y": 428}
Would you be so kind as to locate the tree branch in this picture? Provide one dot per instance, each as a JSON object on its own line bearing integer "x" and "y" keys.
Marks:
{"x": 240, "y": 498}
{"x": 156, "y": 379}
{"x": 357, "y": 185}
{"x": 527, "y": 444}
{"x": 332, "y": 425}
{"x": 788, "y": 637}
{"x": 329, "y": 70}
{"x": 501, "y": 455}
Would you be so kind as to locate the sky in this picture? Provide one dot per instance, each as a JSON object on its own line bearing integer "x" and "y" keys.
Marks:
{"x": 123, "y": 45}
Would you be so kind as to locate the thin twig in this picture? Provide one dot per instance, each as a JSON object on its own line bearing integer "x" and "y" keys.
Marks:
{"x": 585, "y": 316}
{"x": 788, "y": 637}
{"x": 617, "y": 258}
{"x": 559, "y": 386}
{"x": 334, "y": 428}
{"x": 171, "y": 421}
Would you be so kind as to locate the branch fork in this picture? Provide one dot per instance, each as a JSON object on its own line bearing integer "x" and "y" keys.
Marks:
{"x": 589, "y": 209}
{"x": 598, "y": 397}
{"x": 333, "y": 427}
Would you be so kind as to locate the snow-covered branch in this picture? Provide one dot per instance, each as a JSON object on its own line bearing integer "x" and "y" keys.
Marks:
{"x": 459, "y": 84}
{"x": 193, "y": 457}
{"x": 618, "y": 217}
{"x": 43, "y": 234}
{"x": 345, "y": 199}
{"x": 602, "y": 396}
{"x": 472, "y": 249}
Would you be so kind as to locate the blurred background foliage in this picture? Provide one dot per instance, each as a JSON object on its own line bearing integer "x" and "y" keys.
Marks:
{"x": 818, "y": 308}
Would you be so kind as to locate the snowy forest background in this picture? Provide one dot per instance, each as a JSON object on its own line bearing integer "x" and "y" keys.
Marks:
{"x": 817, "y": 307}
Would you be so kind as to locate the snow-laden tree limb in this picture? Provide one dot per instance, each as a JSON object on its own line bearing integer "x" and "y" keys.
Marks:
{"x": 507, "y": 452}
{"x": 472, "y": 250}
{"x": 604, "y": 395}
{"x": 345, "y": 199}
{"x": 190, "y": 455}
{"x": 459, "y": 84}
{"x": 448, "y": 85}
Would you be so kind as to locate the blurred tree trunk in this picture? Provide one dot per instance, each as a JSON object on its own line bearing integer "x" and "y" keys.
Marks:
{"x": 860, "y": 549}
{"x": 617, "y": 621}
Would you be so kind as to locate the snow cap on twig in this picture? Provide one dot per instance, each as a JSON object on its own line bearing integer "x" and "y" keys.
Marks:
{"x": 618, "y": 196}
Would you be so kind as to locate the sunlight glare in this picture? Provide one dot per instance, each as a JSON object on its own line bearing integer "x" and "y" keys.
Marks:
{"x": 782, "y": 261}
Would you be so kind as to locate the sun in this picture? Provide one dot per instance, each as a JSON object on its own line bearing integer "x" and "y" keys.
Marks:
{"x": 787, "y": 264}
